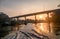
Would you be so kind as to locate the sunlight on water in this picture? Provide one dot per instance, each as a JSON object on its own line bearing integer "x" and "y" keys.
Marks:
{"x": 43, "y": 27}
{"x": 40, "y": 27}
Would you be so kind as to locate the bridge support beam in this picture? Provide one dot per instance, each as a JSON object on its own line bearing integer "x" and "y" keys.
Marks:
{"x": 49, "y": 23}
{"x": 35, "y": 20}
{"x": 25, "y": 21}
{"x": 17, "y": 25}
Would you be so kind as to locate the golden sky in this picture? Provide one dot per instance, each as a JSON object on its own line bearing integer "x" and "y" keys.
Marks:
{"x": 20, "y": 7}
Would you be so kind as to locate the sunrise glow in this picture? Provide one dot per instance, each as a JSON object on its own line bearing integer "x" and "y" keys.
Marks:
{"x": 42, "y": 17}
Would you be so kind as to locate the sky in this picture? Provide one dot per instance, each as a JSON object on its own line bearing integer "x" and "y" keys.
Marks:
{"x": 21, "y": 7}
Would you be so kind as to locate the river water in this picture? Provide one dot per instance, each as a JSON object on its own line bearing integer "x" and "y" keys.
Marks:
{"x": 41, "y": 28}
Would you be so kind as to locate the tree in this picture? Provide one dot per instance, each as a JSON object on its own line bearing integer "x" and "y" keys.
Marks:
{"x": 56, "y": 21}
{"x": 4, "y": 22}
{"x": 4, "y": 19}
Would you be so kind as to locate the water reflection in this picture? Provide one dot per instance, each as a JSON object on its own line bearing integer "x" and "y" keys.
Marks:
{"x": 43, "y": 27}
{"x": 40, "y": 27}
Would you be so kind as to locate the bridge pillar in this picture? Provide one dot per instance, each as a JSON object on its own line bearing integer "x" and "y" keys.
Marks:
{"x": 25, "y": 18}
{"x": 17, "y": 25}
{"x": 25, "y": 21}
{"x": 35, "y": 20}
{"x": 49, "y": 22}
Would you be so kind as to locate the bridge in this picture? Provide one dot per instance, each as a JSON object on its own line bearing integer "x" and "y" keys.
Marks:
{"x": 35, "y": 15}
{"x": 42, "y": 15}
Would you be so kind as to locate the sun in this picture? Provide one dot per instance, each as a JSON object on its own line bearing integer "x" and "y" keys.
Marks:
{"x": 42, "y": 17}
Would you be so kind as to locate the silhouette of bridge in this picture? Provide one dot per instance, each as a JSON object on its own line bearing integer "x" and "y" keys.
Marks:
{"x": 35, "y": 17}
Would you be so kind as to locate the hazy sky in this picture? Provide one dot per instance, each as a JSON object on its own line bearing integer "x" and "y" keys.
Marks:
{"x": 20, "y": 7}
